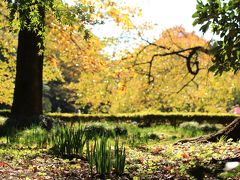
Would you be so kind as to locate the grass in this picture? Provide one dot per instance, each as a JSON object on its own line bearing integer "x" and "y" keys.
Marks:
{"x": 132, "y": 135}
{"x": 144, "y": 152}
{"x": 165, "y": 133}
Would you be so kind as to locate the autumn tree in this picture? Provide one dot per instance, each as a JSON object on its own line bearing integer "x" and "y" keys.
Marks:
{"x": 68, "y": 62}
{"x": 30, "y": 17}
{"x": 8, "y": 44}
{"x": 172, "y": 63}
{"x": 119, "y": 89}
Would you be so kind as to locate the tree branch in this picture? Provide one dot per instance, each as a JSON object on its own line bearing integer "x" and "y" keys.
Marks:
{"x": 192, "y": 66}
{"x": 149, "y": 44}
{"x": 185, "y": 85}
{"x": 74, "y": 41}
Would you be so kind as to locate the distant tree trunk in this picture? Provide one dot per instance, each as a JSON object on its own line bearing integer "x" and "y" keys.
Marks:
{"x": 27, "y": 102}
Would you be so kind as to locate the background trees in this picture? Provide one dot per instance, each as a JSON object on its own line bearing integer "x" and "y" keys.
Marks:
{"x": 124, "y": 87}
{"x": 29, "y": 16}
{"x": 7, "y": 58}
{"x": 77, "y": 75}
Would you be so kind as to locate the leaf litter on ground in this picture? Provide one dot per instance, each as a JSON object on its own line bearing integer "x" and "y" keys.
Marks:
{"x": 176, "y": 161}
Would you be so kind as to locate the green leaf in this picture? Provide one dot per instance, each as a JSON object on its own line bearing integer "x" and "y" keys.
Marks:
{"x": 205, "y": 27}
{"x": 195, "y": 15}
{"x": 195, "y": 22}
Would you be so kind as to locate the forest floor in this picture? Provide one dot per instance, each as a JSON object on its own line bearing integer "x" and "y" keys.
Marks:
{"x": 169, "y": 161}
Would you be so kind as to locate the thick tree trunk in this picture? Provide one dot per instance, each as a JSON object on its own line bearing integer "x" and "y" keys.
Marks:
{"x": 231, "y": 131}
{"x": 27, "y": 102}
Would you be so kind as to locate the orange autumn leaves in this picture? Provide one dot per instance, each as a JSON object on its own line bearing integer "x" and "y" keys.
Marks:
{"x": 95, "y": 78}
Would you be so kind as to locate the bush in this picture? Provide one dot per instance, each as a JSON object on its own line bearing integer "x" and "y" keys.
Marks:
{"x": 150, "y": 118}
{"x": 192, "y": 125}
{"x": 120, "y": 131}
{"x": 35, "y": 135}
{"x": 94, "y": 131}
{"x": 196, "y": 126}
{"x": 208, "y": 128}
{"x": 153, "y": 136}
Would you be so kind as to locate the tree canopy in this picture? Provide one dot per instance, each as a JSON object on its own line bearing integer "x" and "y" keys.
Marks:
{"x": 78, "y": 75}
{"x": 223, "y": 18}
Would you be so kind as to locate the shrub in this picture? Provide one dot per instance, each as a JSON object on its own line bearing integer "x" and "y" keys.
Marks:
{"x": 94, "y": 131}
{"x": 35, "y": 135}
{"x": 136, "y": 139}
{"x": 208, "y": 128}
{"x": 192, "y": 125}
{"x": 153, "y": 136}
{"x": 120, "y": 131}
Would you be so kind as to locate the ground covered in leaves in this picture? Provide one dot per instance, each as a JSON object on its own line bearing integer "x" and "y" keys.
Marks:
{"x": 180, "y": 161}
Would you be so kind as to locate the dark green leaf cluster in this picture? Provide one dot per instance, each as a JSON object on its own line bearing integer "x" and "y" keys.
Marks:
{"x": 31, "y": 14}
{"x": 223, "y": 17}
{"x": 28, "y": 13}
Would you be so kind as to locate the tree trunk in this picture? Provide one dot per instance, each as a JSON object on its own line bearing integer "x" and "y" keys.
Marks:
{"x": 231, "y": 131}
{"x": 27, "y": 102}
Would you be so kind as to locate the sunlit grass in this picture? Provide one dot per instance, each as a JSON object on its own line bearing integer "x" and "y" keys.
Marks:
{"x": 145, "y": 146}
{"x": 165, "y": 133}
{"x": 134, "y": 135}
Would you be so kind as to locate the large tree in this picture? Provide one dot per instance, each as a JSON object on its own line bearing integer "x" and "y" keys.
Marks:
{"x": 27, "y": 100}
{"x": 223, "y": 18}
{"x": 29, "y": 16}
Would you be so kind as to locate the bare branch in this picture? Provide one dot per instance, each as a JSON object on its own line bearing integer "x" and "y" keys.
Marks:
{"x": 193, "y": 51}
{"x": 149, "y": 44}
{"x": 152, "y": 44}
{"x": 73, "y": 40}
{"x": 185, "y": 85}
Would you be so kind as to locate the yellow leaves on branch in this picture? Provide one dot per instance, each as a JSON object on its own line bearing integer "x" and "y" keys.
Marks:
{"x": 115, "y": 10}
{"x": 68, "y": 54}
{"x": 53, "y": 62}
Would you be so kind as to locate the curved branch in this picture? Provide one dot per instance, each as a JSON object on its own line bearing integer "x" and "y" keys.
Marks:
{"x": 74, "y": 41}
{"x": 192, "y": 66}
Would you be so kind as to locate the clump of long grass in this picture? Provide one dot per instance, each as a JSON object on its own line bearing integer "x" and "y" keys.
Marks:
{"x": 105, "y": 159}
{"x": 67, "y": 140}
